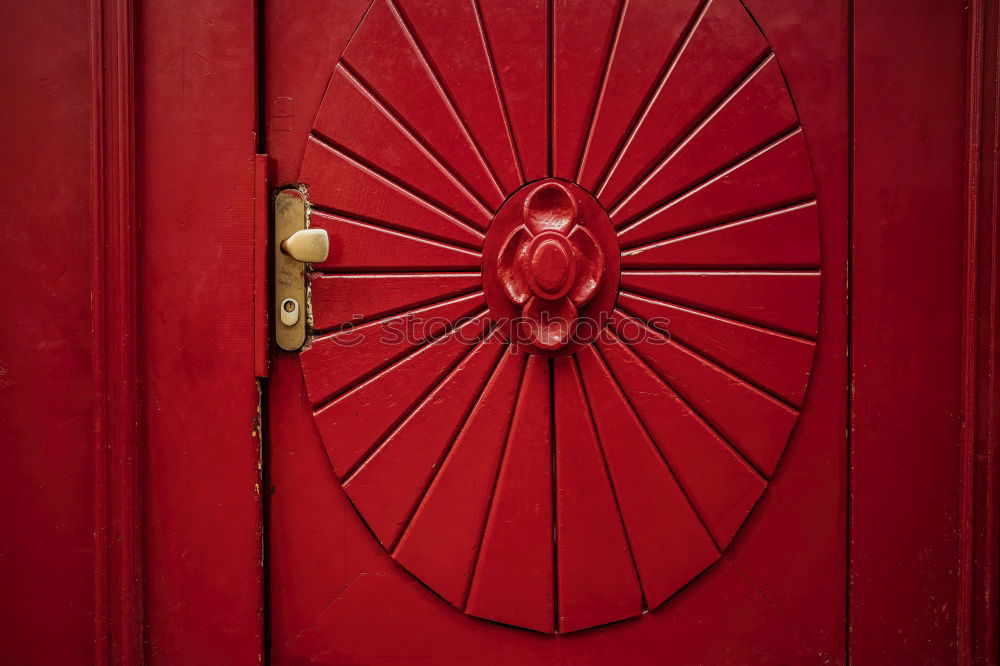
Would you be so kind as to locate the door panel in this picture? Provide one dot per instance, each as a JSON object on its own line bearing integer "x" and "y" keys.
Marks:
{"x": 531, "y": 481}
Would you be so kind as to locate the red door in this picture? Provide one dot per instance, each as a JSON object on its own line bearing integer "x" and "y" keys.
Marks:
{"x": 576, "y": 360}
{"x": 637, "y": 331}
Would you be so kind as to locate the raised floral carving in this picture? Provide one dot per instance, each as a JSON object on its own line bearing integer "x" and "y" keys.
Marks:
{"x": 550, "y": 266}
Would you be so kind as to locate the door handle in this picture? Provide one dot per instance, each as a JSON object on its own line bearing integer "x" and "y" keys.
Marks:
{"x": 307, "y": 245}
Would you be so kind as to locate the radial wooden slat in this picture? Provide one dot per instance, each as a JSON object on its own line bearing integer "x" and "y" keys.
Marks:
{"x": 514, "y": 576}
{"x": 775, "y": 176}
{"x": 441, "y": 543}
{"x": 656, "y": 513}
{"x": 722, "y": 487}
{"x": 386, "y": 55}
{"x": 722, "y": 47}
{"x": 639, "y": 56}
{"x": 757, "y": 111}
{"x": 388, "y": 485}
{"x": 597, "y": 581}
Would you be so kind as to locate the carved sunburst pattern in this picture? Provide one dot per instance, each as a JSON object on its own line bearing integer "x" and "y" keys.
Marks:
{"x": 548, "y": 484}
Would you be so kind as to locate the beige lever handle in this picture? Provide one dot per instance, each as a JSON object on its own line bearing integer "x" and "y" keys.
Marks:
{"x": 307, "y": 245}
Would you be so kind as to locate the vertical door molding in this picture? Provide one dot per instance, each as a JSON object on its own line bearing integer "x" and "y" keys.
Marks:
{"x": 196, "y": 130}
{"x": 908, "y": 308}
{"x": 117, "y": 439}
{"x": 978, "y": 561}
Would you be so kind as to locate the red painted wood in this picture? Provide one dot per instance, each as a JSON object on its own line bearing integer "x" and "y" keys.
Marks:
{"x": 567, "y": 219}
{"x": 758, "y": 111}
{"x": 342, "y": 358}
{"x": 981, "y": 493}
{"x": 597, "y": 580}
{"x": 372, "y": 246}
{"x": 375, "y": 135}
{"x": 725, "y": 403}
{"x": 720, "y": 49}
{"x": 261, "y": 266}
{"x": 756, "y": 424}
{"x": 118, "y": 531}
{"x": 656, "y": 513}
{"x": 774, "y": 361}
{"x": 638, "y": 55}
{"x": 312, "y": 529}
{"x": 51, "y": 392}
{"x": 344, "y": 185}
{"x": 722, "y": 487}
{"x": 513, "y": 580}
{"x": 907, "y": 408}
{"x": 777, "y": 595}
{"x": 810, "y": 39}
{"x": 517, "y": 34}
{"x": 386, "y": 56}
{"x": 349, "y": 431}
{"x": 768, "y": 180}
{"x": 684, "y": 634}
{"x": 442, "y": 540}
{"x": 785, "y": 238}
{"x": 340, "y": 300}
{"x": 582, "y": 31}
{"x": 464, "y": 60}
{"x": 388, "y": 485}
{"x": 196, "y": 104}
{"x": 785, "y": 300}
{"x": 295, "y": 83}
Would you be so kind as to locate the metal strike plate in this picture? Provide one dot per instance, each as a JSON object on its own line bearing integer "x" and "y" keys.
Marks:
{"x": 294, "y": 245}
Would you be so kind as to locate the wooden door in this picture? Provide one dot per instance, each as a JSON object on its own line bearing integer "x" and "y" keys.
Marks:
{"x": 577, "y": 358}
{"x": 701, "y": 492}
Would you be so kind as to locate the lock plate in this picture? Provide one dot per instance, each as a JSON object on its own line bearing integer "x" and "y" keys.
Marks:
{"x": 290, "y": 215}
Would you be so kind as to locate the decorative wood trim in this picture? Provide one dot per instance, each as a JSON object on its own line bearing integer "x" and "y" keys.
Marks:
{"x": 117, "y": 441}
{"x": 978, "y": 555}
{"x": 969, "y": 328}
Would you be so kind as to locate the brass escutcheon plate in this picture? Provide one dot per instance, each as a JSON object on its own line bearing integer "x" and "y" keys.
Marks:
{"x": 290, "y": 215}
